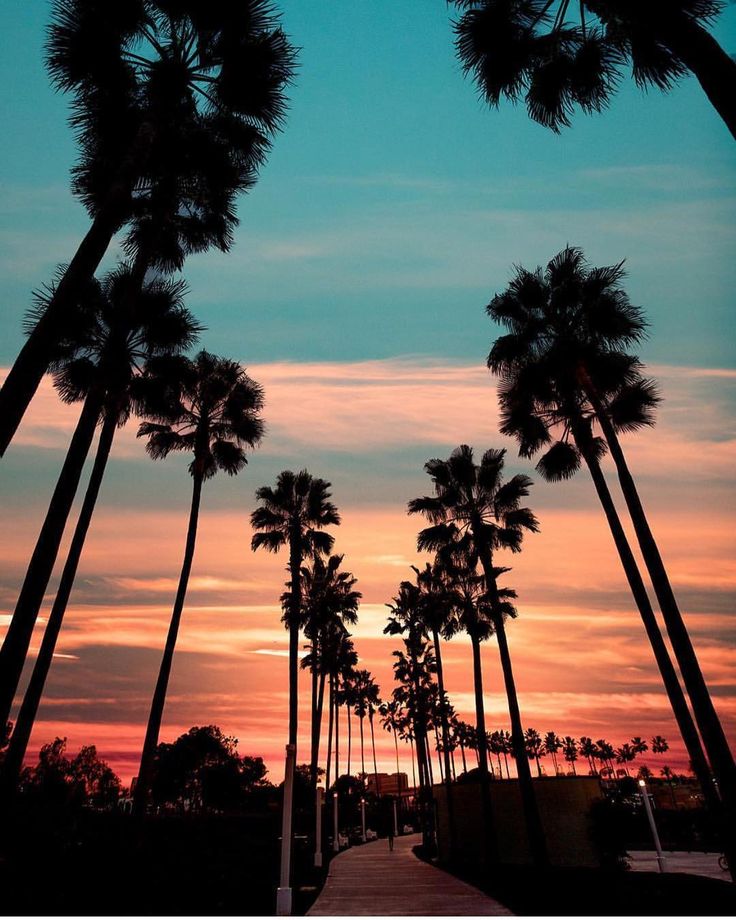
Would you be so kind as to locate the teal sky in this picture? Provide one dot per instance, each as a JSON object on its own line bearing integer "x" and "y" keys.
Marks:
{"x": 394, "y": 203}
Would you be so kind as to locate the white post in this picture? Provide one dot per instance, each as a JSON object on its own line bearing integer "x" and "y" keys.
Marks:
{"x": 362, "y": 817}
{"x": 283, "y": 892}
{"x": 318, "y": 828}
{"x": 336, "y": 825}
{"x": 396, "y": 819}
{"x": 661, "y": 860}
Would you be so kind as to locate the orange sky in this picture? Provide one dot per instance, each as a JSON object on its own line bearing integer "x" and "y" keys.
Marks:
{"x": 582, "y": 661}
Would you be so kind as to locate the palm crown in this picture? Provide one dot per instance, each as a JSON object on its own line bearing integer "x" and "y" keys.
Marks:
{"x": 569, "y": 326}
{"x": 299, "y": 505}
{"x": 558, "y": 55}
{"x": 174, "y": 103}
{"x": 215, "y": 416}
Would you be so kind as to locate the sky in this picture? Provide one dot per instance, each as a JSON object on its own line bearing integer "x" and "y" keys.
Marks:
{"x": 392, "y": 207}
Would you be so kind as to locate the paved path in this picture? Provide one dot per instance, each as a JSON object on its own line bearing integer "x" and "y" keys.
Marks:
{"x": 370, "y": 880}
{"x": 680, "y": 861}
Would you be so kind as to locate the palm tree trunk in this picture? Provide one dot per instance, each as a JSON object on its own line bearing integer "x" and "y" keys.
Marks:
{"x": 706, "y": 717}
{"x": 362, "y": 752}
{"x": 482, "y": 753}
{"x": 350, "y": 735}
{"x": 337, "y": 729}
{"x": 445, "y": 738}
{"x": 329, "y": 731}
{"x": 313, "y": 725}
{"x": 18, "y": 638}
{"x": 295, "y": 606}
{"x": 713, "y": 67}
{"x": 670, "y": 679}
{"x": 398, "y": 766}
{"x": 373, "y": 745}
{"x": 535, "y": 831}
{"x": 145, "y": 773}
{"x": 413, "y": 771}
{"x": 437, "y": 747}
{"x": 24, "y": 724}
{"x": 318, "y": 726}
{"x": 462, "y": 754}
{"x": 428, "y": 761}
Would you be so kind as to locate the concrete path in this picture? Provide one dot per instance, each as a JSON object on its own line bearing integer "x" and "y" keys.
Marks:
{"x": 680, "y": 861}
{"x": 370, "y": 881}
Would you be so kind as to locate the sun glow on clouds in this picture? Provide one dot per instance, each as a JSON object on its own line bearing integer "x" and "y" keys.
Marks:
{"x": 581, "y": 656}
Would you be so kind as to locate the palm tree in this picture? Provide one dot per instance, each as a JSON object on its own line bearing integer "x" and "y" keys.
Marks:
{"x": 563, "y": 366}
{"x": 328, "y": 601}
{"x": 534, "y": 744}
{"x": 216, "y": 420}
{"x": 605, "y": 753}
{"x": 366, "y": 696}
{"x": 536, "y": 49}
{"x": 553, "y": 744}
{"x": 391, "y": 717}
{"x": 472, "y": 502}
{"x": 570, "y": 750}
{"x": 173, "y": 106}
{"x": 625, "y": 755}
{"x": 659, "y": 745}
{"x": 589, "y": 750}
{"x": 341, "y": 659}
{"x": 639, "y": 746}
{"x": 111, "y": 353}
{"x": 292, "y": 514}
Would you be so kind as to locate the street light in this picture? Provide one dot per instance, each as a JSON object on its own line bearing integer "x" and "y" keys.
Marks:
{"x": 362, "y": 817}
{"x": 661, "y": 860}
{"x": 335, "y": 823}
{"x": 283, "y": 892}
{"x": 396, "y": 819}
{"x": 318, "y": 828}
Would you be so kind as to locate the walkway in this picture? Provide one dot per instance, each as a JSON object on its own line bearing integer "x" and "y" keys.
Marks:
{"x": 370, "y": 880}
{"x": 679, "y": 861}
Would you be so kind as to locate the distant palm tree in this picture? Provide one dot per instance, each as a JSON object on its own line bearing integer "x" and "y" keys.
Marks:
{"x": 391, "y": 714}
{"x": 589, "y": 750}
{"x": 553, "y": 744}
{"x": 625, "y": 755}
{"x": 570, "y": 751}
{"x": 639, "y": 746}
{"x": 564, "y": 367}
{"x": 329, "y": 600}
{"x": 472, "y": 502}
{"x": 605, "y": 753}
{"x": 174, "y": 107}
{"x": 112, "y": 353}
{"x": 659, "y": 745}
{"x": 366, "y": 696}
{"x": 534, "y": 744}
{"x": 535, "y": 48}
{"x": 216, "y": 420}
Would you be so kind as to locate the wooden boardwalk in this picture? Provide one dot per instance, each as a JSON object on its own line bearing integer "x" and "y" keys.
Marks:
{"x": 370, "y": 881}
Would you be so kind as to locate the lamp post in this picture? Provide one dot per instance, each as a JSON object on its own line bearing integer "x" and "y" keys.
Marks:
{"x": 396, "y": 819}
{"x": 661, "y": 860}
{"x": 283, "y": 892}
{"x": 362, "y": 817}
{"x": 335, "y": 825}
{"x": 318, "y": 827}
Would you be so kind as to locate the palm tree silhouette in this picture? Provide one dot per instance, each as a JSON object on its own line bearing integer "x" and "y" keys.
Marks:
{"x": 563, "y": 366}
{"x": 589, "y": 750}
{"x": 341, "y": 659}
{"x": 534, "y": 744}
{"x": 472, "y": 501}
{"x": 365, "y": 690}
{"x": 537, "y": 49}
{"x": 328, "y": 601}
{"x": 570, "y": 751}
{"x": 173, "y": 106}
{"x": 553, "y": 744}
{"x": 625, "y": 755}
{"x": 390, "y": 712}
{"x": 659, "y": 745}
{"x": 216, "y": 418}
{"x": 110, "y": 353}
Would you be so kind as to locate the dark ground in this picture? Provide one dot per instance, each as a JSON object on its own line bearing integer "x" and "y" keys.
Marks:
{"x": 603, "y": 892}
{"x": 187, "y": 865}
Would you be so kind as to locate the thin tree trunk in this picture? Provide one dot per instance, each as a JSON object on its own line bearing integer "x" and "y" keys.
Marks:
{"x": 482, "y": 753}
{"x": 428, "y": 760}
{"x": 362, "y": 752}
{"x": 398, "y": 766}
{"x": 462, "y": 753}
{"x": 713, "y": 67}
{"x": 373, "y": 745}
{"x": 445, "y": 740}
{"x": 413, "y": 771}
{"x": 145, "y": 773}
{"x": 313, "y": 723}
{"x": 24, "y": 724}
{"x": 320, "y": 709}
{"x": 337, "y": 728}
{"x": 350, "y": 735}
{"x": 706, "y": 717}
{"x": 295, "y": 605}
{"x": 670, "y": 679}
{"x": 18, "y": 638}
{"x": 438, "y": 745}
{"x": 329, "y": 731}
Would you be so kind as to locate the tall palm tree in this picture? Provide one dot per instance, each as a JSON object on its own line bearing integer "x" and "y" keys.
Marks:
{"x": 552, "y": 745}
{"x": 473, "y": 501}
{"x": 589, "y": 749}
{"x": 559, "y": 55}
{"x": 659, "y": 745}
{"x": 328, "y": 602}
{"x": 216, "y": 419}
{"x": 564, "y": 366}
{"x": 112, "y": 353}
{"x": 170, "y": 101}
{"x": 534, "y": 744}
{"x": 391, "y": 715}
{"x": 366, "y": 695}
{"x": 293, "y": 514}
{"x": 625, "y": 755}
{"x": 570, "y": 751}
